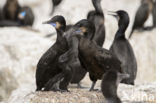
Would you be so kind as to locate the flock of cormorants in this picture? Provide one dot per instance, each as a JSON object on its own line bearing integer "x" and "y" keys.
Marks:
{"x": 79, "y": 48}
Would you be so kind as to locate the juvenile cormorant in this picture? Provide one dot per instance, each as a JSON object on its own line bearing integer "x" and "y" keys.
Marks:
{"x": 142, "y": 15}
{"x": 47, "y": 67}
{"x": 95, "y": 60}
{"x": 109, "y": 85}
{"x": 122, "y": 49}
{"x": 97, "y": 17}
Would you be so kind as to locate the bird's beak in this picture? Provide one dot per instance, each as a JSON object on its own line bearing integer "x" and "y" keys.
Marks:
{"x": 112, "y": 13}
{"x": 57, "y": 25}
{"x": 46, "y": 22}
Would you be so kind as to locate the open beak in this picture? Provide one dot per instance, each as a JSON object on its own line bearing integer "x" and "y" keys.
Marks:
{"x": 112, "y": 13}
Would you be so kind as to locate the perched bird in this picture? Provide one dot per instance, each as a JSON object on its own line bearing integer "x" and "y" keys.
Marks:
{"x": 26, "y": 16}
{"x": 109, "y": 85}
{"x": 10, "y": 10}
{"x": 97, "y": 18}
{"x": 15, "y": 15}
{"x": 122, "y": 49}
{"x": 142, "y": 15}
{"x": 61, "y": 79}
{"x": 48, "y": 67}
{"x": 94, "y": 59}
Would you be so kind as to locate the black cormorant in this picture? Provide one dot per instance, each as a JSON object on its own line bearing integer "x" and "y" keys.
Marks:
{"x": 97, "y": 17}
{"x": 109, "y": 85}
{"x": 15, "y": 15}
{"x": 61, "y": 80}
{"x": 47, "y": 67}
{"x": 26, "y": 16}
{"x": 95, "y": 59}
{"x": 142, "y": 15}
{"x": 122, "y": 49}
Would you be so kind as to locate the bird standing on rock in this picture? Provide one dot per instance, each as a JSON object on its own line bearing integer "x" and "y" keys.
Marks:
{"x": 95, "y": 60}
{"x": 48, "y": 67}
{"x": 122, "y": 49}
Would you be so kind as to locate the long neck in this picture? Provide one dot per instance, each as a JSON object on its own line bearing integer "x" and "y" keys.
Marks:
{"x": 97, "y": 6}
{"x": 121, "y": 31}
{"x": 59, "y": 34}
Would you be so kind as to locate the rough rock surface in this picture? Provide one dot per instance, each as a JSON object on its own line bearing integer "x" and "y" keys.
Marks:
{"x": 144, "y": 93}
{"x": 20, "y": 50}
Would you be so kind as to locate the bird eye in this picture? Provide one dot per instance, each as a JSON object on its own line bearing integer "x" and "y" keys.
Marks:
{"x": 23, "y": 13}
{"x": 78, "y": 31}
{"x": 53, "y": 24}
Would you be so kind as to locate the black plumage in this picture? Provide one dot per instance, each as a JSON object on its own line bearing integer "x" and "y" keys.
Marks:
{"x": 15, "y": 15}
{"x": 94, "y": 59}
{"x": 48, "y": 67}
{"x": 154, "y": 13}
{"x": 66, "y": 62}
{"x": 122, "y": 49}
{"x": 10, "y": 10}
{"x": 109, "y": 85}
{"x": 97, "y": 18}
{"x": 26, "y": 16}
{"x": 4, "y": 22}
{"x": 142, "y": 15}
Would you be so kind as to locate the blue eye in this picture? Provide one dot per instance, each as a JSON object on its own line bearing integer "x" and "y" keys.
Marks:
{"x": 78, "y": 31}
{"x": 53, "y": 24}
{"x": 23, "y": 13}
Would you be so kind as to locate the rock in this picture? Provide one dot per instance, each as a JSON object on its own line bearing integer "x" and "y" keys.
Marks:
{"x": 20, "y": 52}
{"x": 8, "y": 83}
{"x": 143, "y": 93}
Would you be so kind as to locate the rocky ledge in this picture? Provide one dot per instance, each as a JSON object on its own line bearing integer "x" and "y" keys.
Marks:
{"x": 144, "y": 93}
